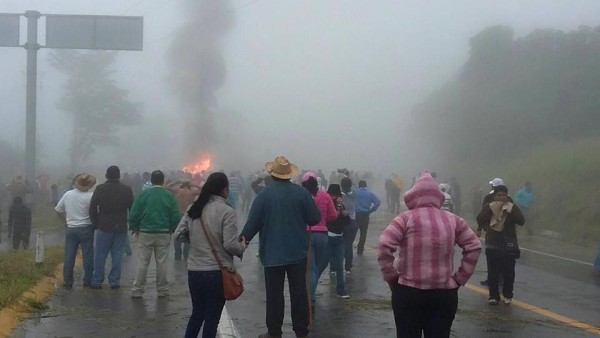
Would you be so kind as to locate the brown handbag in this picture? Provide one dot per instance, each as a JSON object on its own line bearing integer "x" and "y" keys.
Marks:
{"x": 233, "y": 284}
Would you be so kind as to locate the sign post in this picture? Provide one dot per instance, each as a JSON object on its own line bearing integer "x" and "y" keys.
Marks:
{"x": 65, "y": 31}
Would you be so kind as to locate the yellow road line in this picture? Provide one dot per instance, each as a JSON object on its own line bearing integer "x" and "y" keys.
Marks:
{"x": 546, "y": 313}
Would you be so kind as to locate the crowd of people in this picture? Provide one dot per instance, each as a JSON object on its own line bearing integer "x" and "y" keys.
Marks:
{"x": 304, "y": 223}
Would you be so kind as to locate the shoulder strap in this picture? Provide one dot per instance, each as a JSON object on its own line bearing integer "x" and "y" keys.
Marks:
{"x": 212, "y": 247}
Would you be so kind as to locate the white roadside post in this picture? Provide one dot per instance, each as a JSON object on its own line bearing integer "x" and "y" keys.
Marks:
{"x": 39, "y": 249}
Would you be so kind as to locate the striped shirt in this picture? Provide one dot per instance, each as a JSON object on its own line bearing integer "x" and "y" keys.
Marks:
{"x": 424, "y": 238}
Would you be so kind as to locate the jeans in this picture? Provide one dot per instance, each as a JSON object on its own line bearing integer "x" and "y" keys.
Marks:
{"x": 335, "y": 245}
{"x": 423, "y": 311}
{"x": 127, "y": 245}
{"x": 74, "y": 237}
{"x": 181, "y": 248}
{"x": 500, "y": 263}
{"x": 349, "y": 237}
{"x": 274, "y": 283}
{"x": 597, "y": 262}
{"x": 319, "y": 258}
{"x": 206, "y": 290}
{"x": 113, "y": 243}
{"x": 362, "y": 221}
{"x": 147, "y": 244}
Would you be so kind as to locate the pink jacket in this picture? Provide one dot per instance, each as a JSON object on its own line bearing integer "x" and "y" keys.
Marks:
{"x": 327, "y": 209}
{"x": 424, "y": 237}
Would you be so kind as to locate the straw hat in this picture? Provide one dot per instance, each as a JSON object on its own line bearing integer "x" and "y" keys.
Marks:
{"x": 280, "y": 167}
{"x": 84, "y": 182}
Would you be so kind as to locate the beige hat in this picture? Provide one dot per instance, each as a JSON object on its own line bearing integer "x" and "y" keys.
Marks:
{"x": 282, "y": 168}
{"x": 84, "y": 182}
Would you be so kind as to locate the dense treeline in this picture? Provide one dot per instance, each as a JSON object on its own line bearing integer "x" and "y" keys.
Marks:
{"x": 516, "y": 93}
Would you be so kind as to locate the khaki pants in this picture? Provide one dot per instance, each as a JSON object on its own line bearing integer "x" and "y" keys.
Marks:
{"x": 159, "y": 244}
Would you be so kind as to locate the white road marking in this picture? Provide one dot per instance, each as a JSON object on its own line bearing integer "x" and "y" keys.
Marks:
{"x": 226, "y": 327}
{"x": 559, "y": 257}
{"x": 551, "y": 255}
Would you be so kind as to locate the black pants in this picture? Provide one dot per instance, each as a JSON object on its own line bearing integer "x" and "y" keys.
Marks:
{"x": 21, "y": 236}
{"x": 500, "y": 264}
{"x": 430, "y": 312}
{"x": 362, "y": 220}
{"x": 206, "y": 289}
{"x": 297, "y": 282}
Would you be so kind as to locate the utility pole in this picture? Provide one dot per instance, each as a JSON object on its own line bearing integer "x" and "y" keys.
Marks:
{"x": 32, "y": 48}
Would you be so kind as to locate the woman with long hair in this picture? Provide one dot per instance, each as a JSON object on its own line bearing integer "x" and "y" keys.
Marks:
{"x": 318, "y": 249}
{"x": 212, "y": 211}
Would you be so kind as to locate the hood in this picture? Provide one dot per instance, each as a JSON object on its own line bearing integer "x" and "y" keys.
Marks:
{"x": 425, "y": 193}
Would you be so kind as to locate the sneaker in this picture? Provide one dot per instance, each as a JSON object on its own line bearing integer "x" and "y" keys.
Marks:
{"x": 344, "y": 296}
{"x": 347, "y": 272}
{"x": 136, "y": 295}
{"x": 507, "y": 301}
{"x": 68, "y": 286}
{"x": 492, "y": 301}
{"x": 484, "y": 282}
{"x": 116, "y": 286}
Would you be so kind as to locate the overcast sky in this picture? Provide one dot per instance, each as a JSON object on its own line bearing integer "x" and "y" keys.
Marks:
{"x": 326, "y": 83}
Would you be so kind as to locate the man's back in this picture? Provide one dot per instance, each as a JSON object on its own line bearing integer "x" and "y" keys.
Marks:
{"x": 109, "y": 205}
{"x": 154, "y": 210}
{"x": 75, "y": 204}
{"x": 281, "y": 212}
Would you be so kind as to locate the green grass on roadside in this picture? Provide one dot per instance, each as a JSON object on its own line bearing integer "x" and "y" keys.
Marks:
{"x": 565, "y": 182}
{"x": 18, "y": 272}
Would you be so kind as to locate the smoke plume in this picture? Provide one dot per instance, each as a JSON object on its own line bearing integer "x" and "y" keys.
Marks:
{"x": 197, "y": 71}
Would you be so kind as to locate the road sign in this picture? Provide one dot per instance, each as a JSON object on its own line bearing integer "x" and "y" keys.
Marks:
{"x": 94, "y": 32}
{"x": 9, "y": 30}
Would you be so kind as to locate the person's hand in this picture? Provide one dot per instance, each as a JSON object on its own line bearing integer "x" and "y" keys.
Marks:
{"x": 392, "y": 284}
{"x": 478, "y": 233}
{"x": 244, "y": 242}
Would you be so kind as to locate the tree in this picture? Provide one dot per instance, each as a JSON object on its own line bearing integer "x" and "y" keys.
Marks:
{"x": 513, "y": 94}
{"x": 99, "y": 107}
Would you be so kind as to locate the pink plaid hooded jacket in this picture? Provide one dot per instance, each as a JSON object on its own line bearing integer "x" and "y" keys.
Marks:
{"x": 424, "y": 239}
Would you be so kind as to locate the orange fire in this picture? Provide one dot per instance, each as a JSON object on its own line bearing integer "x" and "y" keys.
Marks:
{"x": 196, "y": 167}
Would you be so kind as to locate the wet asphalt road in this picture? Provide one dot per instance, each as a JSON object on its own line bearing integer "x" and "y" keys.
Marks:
{"x": 559, "y": 286}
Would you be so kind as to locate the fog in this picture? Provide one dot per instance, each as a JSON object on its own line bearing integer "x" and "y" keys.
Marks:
{"x": 326, "y": 83}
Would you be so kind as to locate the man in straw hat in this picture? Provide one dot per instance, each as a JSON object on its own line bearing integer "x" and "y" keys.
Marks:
{"x": 281, "y": 212}
{"x": 74, "y": 209}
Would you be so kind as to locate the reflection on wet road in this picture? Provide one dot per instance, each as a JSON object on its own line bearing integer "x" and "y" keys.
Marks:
{"x": 556, "y": 287}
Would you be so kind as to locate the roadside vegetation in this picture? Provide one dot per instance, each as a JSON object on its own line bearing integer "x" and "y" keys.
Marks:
{"x": 565, "y": 182}
{"x": 18, "y": 273}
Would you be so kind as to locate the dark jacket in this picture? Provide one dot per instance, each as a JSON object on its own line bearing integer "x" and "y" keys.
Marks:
{"x": 495, "y": 239}
{"x": 109, "y": 205}
{"x": 19, "y": 218}
{"x": 338, "y": 225}
{"x": 281, "y": 212}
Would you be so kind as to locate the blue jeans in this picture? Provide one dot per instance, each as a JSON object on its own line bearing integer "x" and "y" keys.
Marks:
{"x": 336, "y": 258}
{"x": 319, "y": 258}
{"x": 597, "y": 262}
{"x": 113, "y": 243}
{"x": 349, "y": 237}
{"x": 206, "y": 289}
{"x": 74, "y": 237}
{"x": 127, "y": 245}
